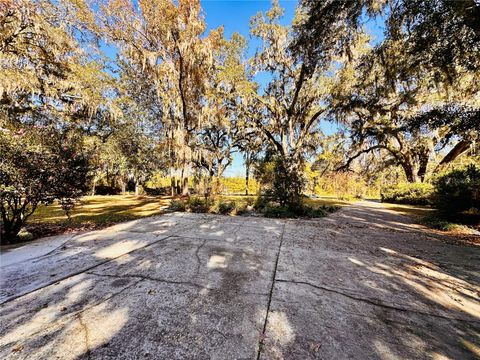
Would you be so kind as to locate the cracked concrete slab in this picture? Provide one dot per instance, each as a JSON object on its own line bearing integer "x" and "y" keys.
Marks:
{"x": 363, "y": 283}
{"x": 81, "y": 252}
{"x": 178, "y": 286}
{"x": 366, "y": 283}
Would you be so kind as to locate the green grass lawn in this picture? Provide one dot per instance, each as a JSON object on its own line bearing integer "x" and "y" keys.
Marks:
{"x": 328, "y": 201}
{"x": 103, "y": 209}
{"x": 416, "y": 211}
{"x": 95, "y": 212}
{"x": 462, "y": 226}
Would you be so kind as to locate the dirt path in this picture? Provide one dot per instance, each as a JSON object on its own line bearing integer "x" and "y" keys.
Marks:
{"x": 363, "y": 283}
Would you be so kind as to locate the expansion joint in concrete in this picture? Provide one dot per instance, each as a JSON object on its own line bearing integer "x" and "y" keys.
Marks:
{"x": 274, "y": 275}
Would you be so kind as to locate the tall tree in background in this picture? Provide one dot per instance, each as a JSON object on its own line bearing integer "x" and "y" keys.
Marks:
{"x": 46, "y": 75}
{"x": 387, "y": 115}
{"x": 438, "y": 35}
{"x": 290, "y": 105}
{"x": 222, "y": 129}
{"x": 427, "y": 64}
{"x": 167, "y": 41}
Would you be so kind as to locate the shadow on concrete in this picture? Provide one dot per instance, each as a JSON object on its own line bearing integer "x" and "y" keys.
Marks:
{"x": 363, "y": 283}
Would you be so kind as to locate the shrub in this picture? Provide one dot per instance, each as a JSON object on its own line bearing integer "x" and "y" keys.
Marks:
{"x": 412, "y": 194}
{"x": 278, "y": 212}
{"x": 436, "y": 222}
{"x": 198, "y": 205}
{"x": 283, "y": 180}
{"x": 260, "y": 203}
{"x": 24, "y": 235}
{"x": 106, "y": 190}
{"x": 304, "y": 211}
{"x": 250, "y": 200}
{"x": 226, "y": 207}
{"x": 241, "y": 209}
{"x": 458, "y": 190}
{"x": 37, "y": 167}
{"x": 177, "y": 205}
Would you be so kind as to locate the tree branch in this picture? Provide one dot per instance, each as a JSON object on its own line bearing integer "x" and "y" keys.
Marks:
{"x": 349, "y": 161}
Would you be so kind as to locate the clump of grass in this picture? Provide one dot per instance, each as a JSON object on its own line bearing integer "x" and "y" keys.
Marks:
{"x": 262, "y": 205}
{"x": 434, "y": 221}
{"x": 241, "y": 209}
{"x": 272, "y": 211}
{"x": 177, "y": 205}
{"x": 197, "y": 204}
{"x": 226, "y": 207}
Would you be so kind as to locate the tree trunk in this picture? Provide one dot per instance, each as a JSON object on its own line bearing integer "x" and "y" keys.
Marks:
{"x": 456, "y": 151}
{"x": 422, "y": 169}
{"x": 93, "y": 187}
{"x": 137, "y": 188}
{"x": 409, "y": 172}
{"x": 185, "y": 189}
{"x": 11, "y": 227}
{"x": 178, "y": 187}
{"x": 172, "y": 182}
{"x": 247, "y": 177}
{"x": 218, "y": 186}
{"x": 314, "y": 185}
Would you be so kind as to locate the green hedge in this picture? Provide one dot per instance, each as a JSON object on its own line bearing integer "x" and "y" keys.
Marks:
{"x": 458, "y": 190}
{"x": 412, "y": 194}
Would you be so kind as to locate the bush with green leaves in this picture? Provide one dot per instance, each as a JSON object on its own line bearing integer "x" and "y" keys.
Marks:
{"x": 226, "y": 207}
{"x": 272, "y": 211}
{"x": 458, "y": 190}
{"x": 198, "y": 204}
{"x": 261, "y": 202}
{"x": 408, "y": 193}
{"x": 38, "y": 167}
{"x": 282, "y": 181}
{"x": 278, "y": 212}
{"x": 177, "y": 205}
{"x": 436, "y": 221}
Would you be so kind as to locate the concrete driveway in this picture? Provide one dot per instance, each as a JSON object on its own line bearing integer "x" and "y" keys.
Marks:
{"x": 363, "y": 283}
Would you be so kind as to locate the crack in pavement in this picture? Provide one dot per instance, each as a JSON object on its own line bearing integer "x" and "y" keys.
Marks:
{"x": 86, "y": 337}
{"x": 374, "y": 303}
{"x": 174, "y": 282}
{"x": 143, "y": 277}
{"x": 274, "y": 274}
{"x": 197, "y": 256}
{"x": 35, "y": 259}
